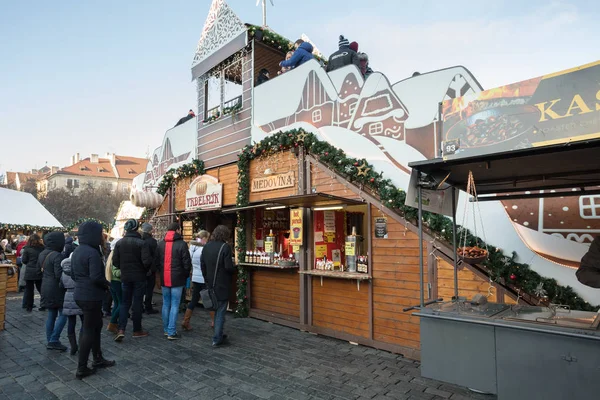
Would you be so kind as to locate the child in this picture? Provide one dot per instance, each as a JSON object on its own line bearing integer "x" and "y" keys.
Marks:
{"x": 287, "y": 57}
{"x": 70, "y": 307}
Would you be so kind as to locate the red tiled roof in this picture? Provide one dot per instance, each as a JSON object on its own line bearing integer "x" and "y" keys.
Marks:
{"x": 11, "y": 177}
{"x": 130, "y": 167}
{"x": 24, "y": 177}
{"x": 103, "y": 167}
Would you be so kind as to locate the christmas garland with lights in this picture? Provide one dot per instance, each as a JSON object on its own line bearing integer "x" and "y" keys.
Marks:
{"x": 275, "y": 40}
{"x": 82, "y": 220}
{"x": 503, "y": 269}
{"x": 196, "y": 167}
{"x": 28, "y": 227}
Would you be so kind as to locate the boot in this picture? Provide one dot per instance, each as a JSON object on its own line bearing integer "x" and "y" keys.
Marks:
{"x": 186, "y": 320}
{"x": 82, "y": 372}
{"x": 212, "y": 319}
{"x": 114, "y": 328}
{"x": 73, "y": 343}
{"x": 101, "y": 362}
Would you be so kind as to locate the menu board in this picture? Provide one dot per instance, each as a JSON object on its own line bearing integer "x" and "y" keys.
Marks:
{"x": 329, "y": 221}
{"x": 381, "y": 231}
{"x": 296, "y": 223}
{"x": 187, "y": 230}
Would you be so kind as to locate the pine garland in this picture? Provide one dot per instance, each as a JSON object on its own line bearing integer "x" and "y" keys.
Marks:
{"x": 80, "y": 221}
{"x": 241, "y": 308}
{"x": 196, "y": 167}
{"x": 28, "y": 227}
{"x": 276, "y": 41}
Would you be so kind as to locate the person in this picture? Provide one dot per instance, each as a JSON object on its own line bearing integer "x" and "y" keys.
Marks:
{"x": 108, "y": 300}
{"x": 263, "y": 76}
{"x": 196, "y": 246}
{"x": 354, "y": 47}
{"x": 53, "y": 295}
{"x": 87, "y": 271}
{"x": 302, "y": 54}
{"x": 186, "y": 118}
{"x": 343, "y": 56}
{"x": 174, "y": 264}
{"x": 33, "y": 275}
{"x": 21, "y": 242}
{"x": 216, "y": 260}
{"x": 69, "y": 245}
{"x": 151, "y": 274}
{"x": 70, "y": 307}
{"x": 113, "y": 275}
{"x": 283, "y": 70}
{"x": 589, "y": 268}
{"x": 132, "y": 256}
{"x": 365, "y": 70}
{"x": 6, "y": 246}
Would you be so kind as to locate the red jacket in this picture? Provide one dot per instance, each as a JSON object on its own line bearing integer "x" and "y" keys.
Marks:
{"x": 20, "y": 247}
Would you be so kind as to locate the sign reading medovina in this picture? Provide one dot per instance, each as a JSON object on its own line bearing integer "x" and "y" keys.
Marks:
{"x": 272, "y": 182}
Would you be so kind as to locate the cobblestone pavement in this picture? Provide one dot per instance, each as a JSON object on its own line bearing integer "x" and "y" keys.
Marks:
{"x": 263, "y": 361}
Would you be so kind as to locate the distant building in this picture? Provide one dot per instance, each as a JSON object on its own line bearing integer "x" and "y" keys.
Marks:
{"x": 19, "y": 180}
{"x": 113, "y": 172}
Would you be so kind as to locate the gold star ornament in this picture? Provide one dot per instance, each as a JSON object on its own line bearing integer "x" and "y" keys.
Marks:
{"x": 362, "y": 169}
{"x": 301, "y": 136}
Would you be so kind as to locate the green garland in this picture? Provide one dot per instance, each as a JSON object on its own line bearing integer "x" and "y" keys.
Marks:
{"x": 502, "y": 268}
{"x": 241, "y": 308}
{"x": 82, "y": 220}
{"x": 196, "y": 167}
{"x": 27, "y": 227}
{"x": 276, "y": 41}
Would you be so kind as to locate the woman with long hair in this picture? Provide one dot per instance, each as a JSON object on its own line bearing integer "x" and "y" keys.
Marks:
{"x": 33, "y": 274}
{"x": 198, "y": 285}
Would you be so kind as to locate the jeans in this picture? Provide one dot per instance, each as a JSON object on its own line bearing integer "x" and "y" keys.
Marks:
{"x": 170, "y": 308}
{"x": 220, "y": 321}
{"x": 73, "y": 323}
{"x": 132, "y": 292}
{"x": 150, "y": 282}
{"x": 196, "y": 289}
{"x": 117, "y": 294}
{"x": 28, "y": 296}
{"x": 55, "y": 323}
{"x": 92, "y": 330}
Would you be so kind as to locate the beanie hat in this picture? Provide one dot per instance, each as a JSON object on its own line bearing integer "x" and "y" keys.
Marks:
{"x": 343, "y": 42}
{"x": 354, "y": 46}
{"x": 131, "y": 225}
{"x": 174, "y": 226}
{"x": 146, "y": 227}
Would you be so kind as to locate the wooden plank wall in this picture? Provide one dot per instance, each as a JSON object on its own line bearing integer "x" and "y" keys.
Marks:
{"x": 227, "y": 175}
{"x": 164, "y": 207}
{"x": 323, "y": 182}
{"x": 340, "y": 306}
{"x": 3, "y": 279}
{"x": 395, "y": 263}
{"x": 279, "y": 163}
{"x": 277, "y": 292}
{"x": 267, "y": 57}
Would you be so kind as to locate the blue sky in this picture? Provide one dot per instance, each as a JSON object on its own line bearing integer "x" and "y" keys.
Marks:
{"x": 97, "y": 76}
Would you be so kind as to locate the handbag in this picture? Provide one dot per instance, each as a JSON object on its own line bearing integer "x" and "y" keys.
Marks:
{"x": 208, "y": 296}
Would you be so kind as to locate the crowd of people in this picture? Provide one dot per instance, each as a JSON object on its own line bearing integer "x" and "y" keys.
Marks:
{"x": 347, "y": 54}
{"x": 91, "y": 276}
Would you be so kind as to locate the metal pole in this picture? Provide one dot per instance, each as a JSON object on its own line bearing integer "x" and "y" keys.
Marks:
{"x": 421, "y": 280}
{"x": 454, "y": 242}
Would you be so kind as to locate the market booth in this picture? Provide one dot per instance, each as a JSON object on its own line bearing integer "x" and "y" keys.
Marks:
{"x": 547, "y": 351}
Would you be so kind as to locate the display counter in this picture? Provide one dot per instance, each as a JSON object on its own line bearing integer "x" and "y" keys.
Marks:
{"x": 5, "y": 270}
{"x": 512, "y": 350}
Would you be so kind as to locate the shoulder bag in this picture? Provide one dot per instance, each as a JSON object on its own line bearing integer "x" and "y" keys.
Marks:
{"x": 208, "y": 296}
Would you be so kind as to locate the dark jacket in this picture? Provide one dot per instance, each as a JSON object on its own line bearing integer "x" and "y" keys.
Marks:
{"x": 29, "y": 257}
{"x": 262, "y": 78}
{"x": 87, "y": 264}
{"x": 132, "y": 256}
{"x": 184, "y": 119}
{"x": 50, "y": 259}
{"x": 301, "y": 55}
{"x": 151, "y": 243}
{"x": 69, "y": 305}
{"x": 344, "y": 56}
{"x": 173, "y": 260}
{"x": 69, "y": 247}
{"x": 225, "y": 269}
{"x": 589, "y": 269}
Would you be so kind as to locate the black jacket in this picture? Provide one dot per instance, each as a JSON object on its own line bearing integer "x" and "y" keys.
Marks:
{"x": 151, "y": 243}
{"x": 173, "y": 260}
{"x": 29, "y": 257}
{"x": 344, "y": 56}
{"x": 184, "y": 119}
{"x": 87, "y": 264}
{"x": 50, "y": 259}
{"x": 589, "y": 269}
{"x": 132, "y": 256}
{"x": 208, "y": 261}
{"x": 69, "y": 247}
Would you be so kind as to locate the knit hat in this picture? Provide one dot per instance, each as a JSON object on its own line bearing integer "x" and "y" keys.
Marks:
{"x": 131, "y": 225}
{"x": 174, "y": 226}
{"x": 343, "y": 42}
{"x": 354, "y": 46}
{"x": 146, "y": 227}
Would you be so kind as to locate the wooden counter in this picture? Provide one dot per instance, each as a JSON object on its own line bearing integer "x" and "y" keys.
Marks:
{"x": 4, "y": 268}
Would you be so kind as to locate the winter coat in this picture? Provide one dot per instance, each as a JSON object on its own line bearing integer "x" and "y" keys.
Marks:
{"x": 151, "y": 243}
{"x": 589, "y": 269}
{"x": 195, "y": 253}
{"x": 132, "y": 256}
{"x": 184, "y": 119}
{"x": 301, "y": 55}
{"x": 20, "y": 248}
{"x": 87, "y": 264}
{"x": 225, "y": 269}
{"x": 69, "y": 247}
{"x": 173, "y": 260}
{"x": 344, "y": 56}
{"x": 29, "y": 258}
{"x": 262, "y": 78}
{"x": 49, "y": 260}
{"x": 69, "y": 305}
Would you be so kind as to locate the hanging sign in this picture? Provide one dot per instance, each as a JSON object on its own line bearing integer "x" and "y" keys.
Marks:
{"x": 272, "y": 182}
{"x": 205, "y": 193}
{"x": 296, "y": 226}
{"x": 381, "y": 231}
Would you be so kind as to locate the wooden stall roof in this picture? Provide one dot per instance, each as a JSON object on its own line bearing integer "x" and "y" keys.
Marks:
{"x": 314, "y": 200}
{"x": 570, "y": 165}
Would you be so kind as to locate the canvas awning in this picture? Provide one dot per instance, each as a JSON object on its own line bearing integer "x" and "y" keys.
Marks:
{"x": 21, "y": 208}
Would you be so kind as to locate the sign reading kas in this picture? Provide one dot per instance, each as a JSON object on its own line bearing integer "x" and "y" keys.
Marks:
{"x": 205, "y": 193}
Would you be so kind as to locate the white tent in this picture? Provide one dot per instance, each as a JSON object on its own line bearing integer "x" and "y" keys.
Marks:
{"x": 21, "y": 208}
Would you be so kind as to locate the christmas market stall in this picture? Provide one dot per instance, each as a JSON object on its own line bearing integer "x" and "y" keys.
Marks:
{"x": 543, "y": 143}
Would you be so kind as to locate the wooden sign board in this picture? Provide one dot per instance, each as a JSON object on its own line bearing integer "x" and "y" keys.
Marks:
{"x": 273, "y": 182}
